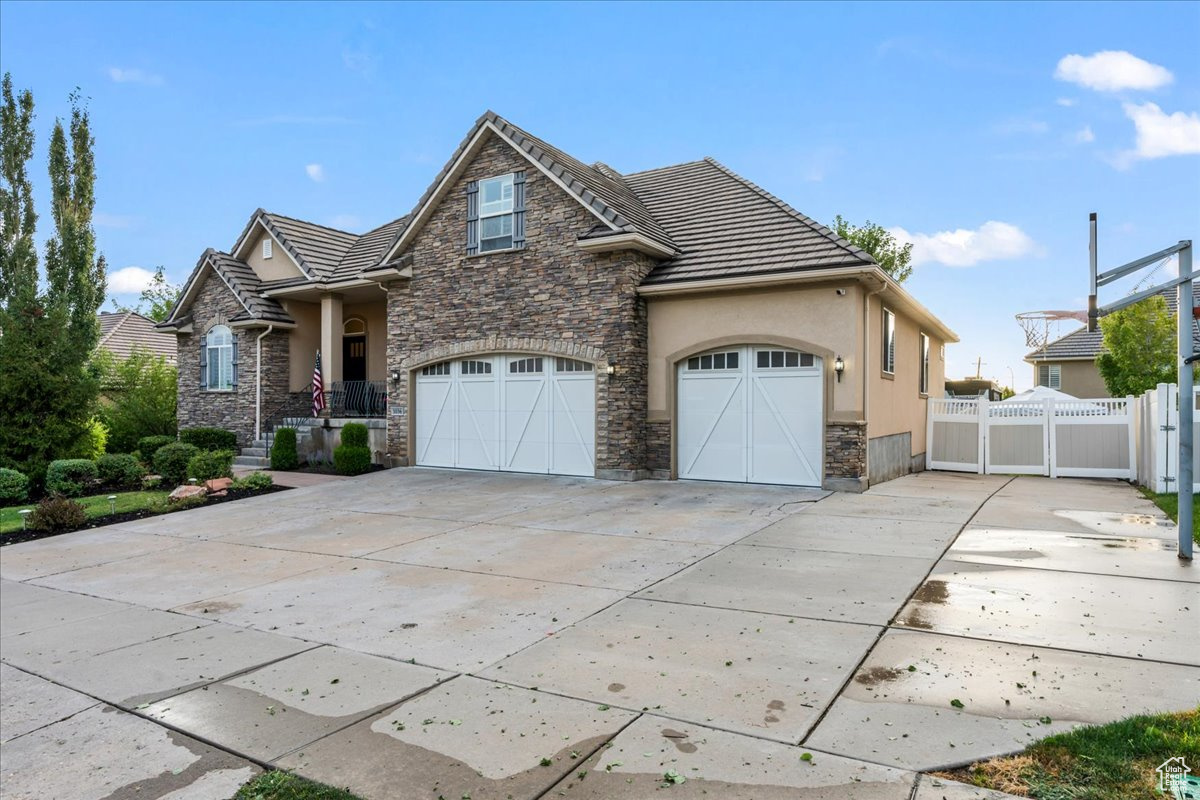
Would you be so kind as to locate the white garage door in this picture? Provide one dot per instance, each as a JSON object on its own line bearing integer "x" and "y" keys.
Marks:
{"x": 751, "y": 414}
{"x": 508, "y": 412}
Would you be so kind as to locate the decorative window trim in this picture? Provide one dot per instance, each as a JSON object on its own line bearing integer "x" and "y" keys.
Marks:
{"x": 889, "y": 342}
{"x": 526, "y": 366}
{"x": 440, "y": 368}
{"x": 923, "y": 354}
{"x": 474, "y": 367}
{"x": 783, "y": 359}
{"x": 713, "y": 362}
{"x": 571, "y": 365}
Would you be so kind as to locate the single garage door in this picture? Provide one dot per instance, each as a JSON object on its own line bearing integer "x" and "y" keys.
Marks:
{"x": 516, "y": 413}
{"x": 751, "y": 414}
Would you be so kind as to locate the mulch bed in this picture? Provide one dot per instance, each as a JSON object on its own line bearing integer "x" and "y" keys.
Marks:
{"x": 327, "y": 469}
{"x": 230, "y": 495}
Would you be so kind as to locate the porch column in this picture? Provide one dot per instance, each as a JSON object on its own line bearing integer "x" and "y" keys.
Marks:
{"x": 331, "y": 338}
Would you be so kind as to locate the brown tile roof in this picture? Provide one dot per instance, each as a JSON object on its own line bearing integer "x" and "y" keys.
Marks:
{"x": 726, "y": 226}
{"x": 1080, "y": 344}
{"x": 121, "y": 332}
{"x": 368, "y": 249}
{"x": 241, "y": 280}
{"x": 316, "y": 248}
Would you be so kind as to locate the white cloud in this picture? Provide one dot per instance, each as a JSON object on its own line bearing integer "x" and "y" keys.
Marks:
{"x": 992, "y": 241}
{"x": 1085, "y": 135}
{"x": 133, "y": 75}
{"x": 1112, "y": 71}
{"x": 129, "y": 280}
{"x": 1066, "y": 102}
{"x": 1160, "y": 134}
{"x": 316, "y": 172}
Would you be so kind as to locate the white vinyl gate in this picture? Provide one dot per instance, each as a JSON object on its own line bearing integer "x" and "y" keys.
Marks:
{"x": 1075, "y": 438}
{"x": 1157, "y": 426}
{"x": 515, "y": 413}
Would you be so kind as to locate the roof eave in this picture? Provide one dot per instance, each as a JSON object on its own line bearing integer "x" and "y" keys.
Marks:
{"x": 626, "y": 241}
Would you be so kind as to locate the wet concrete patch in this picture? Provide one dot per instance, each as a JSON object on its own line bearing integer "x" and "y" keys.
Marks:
{"x": 1074, "y": 552}
{"x": 28, "y": 702}
{"x": 717, "y": 764}
{"x": 1090, "y": 613}
{"x": 272, "y": 711}
{"x": 900, "y": 707}
{"x": 816, "y": 584}
{"x": 465, "y": 738}
{"x": 105, "y": 754}
{"x": 704, "y": 665}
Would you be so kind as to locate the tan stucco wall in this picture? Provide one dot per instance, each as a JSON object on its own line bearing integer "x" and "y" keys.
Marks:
{"x": 895, "y": 403}
{"x": 813, "y": 319}
{"x": 1079, "y": 379}
{"x": 279, "y": 266}
{"x": 303, "y": 343}
{"x": 375, "y": 315}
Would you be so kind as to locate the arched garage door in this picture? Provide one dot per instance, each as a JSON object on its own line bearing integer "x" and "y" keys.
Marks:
{"x": 517, "y": 413}
{"x": 751, "y": 414}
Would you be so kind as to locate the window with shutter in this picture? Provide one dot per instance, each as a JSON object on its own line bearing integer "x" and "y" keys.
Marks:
{"x": 203, "y": 362}
{"x": 233, "y": 361}
{"x": 472, "y": 218}
{"x": 496, "y": 203}
{"x": 518, "y": 226}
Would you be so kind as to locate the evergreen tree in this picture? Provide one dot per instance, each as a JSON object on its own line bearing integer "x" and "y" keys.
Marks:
{"x": 48, "y": 327}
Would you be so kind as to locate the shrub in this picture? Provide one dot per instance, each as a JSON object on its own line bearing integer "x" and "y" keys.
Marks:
{"x": 91, "y": 442}
{"x": 70, "y": 476}
{"x": 354, "y": 434}
{"x": 283, "y": 451}
{"x": 210, "y": 439}
{"x": 207, "y": 466}
{"x": 172, "y": 460}
{"x": 348, "y": 460}
{"x": 57, "y": 514}
{"x": 149, "y": 445}
{"x": 120, "y": 469}
{"x": 254, "y": 482}
{"x": 139, "y": 398}
{"x": 14, "y": 486}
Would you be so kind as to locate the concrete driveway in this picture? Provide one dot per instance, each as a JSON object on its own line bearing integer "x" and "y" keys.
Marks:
{"x": 425, "y": 633}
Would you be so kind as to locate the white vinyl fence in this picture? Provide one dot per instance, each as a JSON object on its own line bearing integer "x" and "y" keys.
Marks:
{"x": 1156, "y": 428}
{"x": 1076, "y": 438}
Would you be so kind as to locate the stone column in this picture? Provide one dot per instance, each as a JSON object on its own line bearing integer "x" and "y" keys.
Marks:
{"x": 331, "y": 339}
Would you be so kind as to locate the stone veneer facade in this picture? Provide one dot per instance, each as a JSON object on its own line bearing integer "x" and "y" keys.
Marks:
{"x": 550, "y": 297}
{"x": 846, "y": 455}
{"x": 234, "y": 411}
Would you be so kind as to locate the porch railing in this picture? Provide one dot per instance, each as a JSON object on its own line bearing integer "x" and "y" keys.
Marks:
{"x": 357, "y": 399}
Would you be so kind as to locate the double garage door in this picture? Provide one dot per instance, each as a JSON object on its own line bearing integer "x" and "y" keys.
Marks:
{"x": 751, "y": 414}
{"x": 516, "y": 413}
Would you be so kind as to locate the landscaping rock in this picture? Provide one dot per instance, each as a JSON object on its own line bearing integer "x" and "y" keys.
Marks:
{"x": 185, "y": 492}
{"x": 218, "y": 484}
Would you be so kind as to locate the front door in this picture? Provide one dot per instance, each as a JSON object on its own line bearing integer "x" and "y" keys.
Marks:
{"x": 354, "y": 358}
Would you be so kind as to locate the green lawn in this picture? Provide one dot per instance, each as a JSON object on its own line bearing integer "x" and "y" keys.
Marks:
{"x": 285, "y": 786}
{"x": 1169, "y": 503}
{"x": 96, "y": 506}
{"x": 1104, "y": 762}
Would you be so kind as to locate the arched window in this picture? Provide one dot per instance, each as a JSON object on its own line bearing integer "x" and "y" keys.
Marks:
{"x": 355, "y": 326}
{"x": 219, "y": 359}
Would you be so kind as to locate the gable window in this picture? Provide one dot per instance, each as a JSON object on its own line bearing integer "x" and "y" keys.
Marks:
{"x": 889, "y": 342}
{"x": 496, "y": 214}
{"x": 218, "y": 360}
{"x": 268, "y": 247}
{"x": 924, "y": 364}
{"x": 1050, "y": 375}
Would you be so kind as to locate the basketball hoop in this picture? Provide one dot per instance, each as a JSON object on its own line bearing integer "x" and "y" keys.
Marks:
{"x": 1037, "y": 324}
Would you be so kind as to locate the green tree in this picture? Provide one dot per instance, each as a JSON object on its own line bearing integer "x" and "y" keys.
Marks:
{"x": 157, "y": 299}
{"x": 49, "y": 324}
{"x": 1139, "y": 344}
{"x": 893, "y": 257}
{"x": 139, "y": 397}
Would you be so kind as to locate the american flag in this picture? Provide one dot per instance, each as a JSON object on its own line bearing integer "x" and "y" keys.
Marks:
{"x": 318, "y": 387}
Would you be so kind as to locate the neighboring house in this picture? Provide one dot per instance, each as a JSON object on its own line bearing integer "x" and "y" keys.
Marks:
{"x": 1069, "y": 362}
{"x": 121, "y": 332}
{"x": 537, "y": 314}
{"x": 974, "y": 387}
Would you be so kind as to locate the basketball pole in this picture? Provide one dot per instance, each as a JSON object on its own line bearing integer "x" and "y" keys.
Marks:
{"x": 1187, "y": 403}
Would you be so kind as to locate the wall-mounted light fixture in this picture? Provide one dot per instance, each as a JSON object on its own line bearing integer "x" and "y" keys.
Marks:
{"x": 611, "y": 369}
{"x": 839, "y": 366}
{"x": 395, "y": 377}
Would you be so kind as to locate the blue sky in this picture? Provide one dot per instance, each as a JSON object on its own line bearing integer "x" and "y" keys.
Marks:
{"x": 983, "y": 132}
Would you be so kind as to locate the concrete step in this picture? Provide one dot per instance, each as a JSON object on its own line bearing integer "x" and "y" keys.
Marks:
{"x": 257, "y": 450}
{"x": 256, "y": 462}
